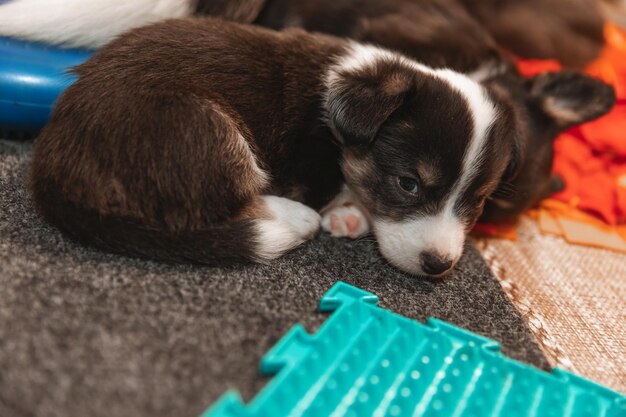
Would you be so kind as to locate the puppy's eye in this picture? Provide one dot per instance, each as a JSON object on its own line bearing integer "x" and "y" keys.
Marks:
{"x": 409, "y": 185}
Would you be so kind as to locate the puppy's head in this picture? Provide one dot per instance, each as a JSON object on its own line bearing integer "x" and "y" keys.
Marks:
{"x": 422, "y": 150}
{"x": 544, "y": 106}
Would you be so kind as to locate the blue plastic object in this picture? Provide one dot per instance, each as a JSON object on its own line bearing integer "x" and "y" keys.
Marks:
{"x": 366, "y": 361}
{"x": 32, "y": 76}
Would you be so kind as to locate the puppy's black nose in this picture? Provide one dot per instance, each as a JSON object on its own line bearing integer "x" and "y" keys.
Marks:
{"x": 435, "y": 264}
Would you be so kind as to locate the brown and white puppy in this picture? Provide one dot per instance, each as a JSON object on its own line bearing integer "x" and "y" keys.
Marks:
{"x": 206, "y": 141}
{"x": 440, "y": 33}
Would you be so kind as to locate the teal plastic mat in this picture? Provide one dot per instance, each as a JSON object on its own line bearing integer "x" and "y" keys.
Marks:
{"x": 367, "y": 361}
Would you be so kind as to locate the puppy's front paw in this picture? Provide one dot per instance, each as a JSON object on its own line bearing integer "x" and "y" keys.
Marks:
{"x": 290, "y": 224}
{"x": 345, "y": 221}
{"x": 302, "y": 220}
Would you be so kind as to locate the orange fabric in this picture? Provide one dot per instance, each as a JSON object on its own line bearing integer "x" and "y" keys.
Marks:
{"x": 592, "y": 157}
{"x": 532, "y": 67}
{"x": 503, "y": 231}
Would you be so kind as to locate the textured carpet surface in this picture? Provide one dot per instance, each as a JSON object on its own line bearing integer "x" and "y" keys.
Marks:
{"x": 572, "y": 297}
{"x": 83, "y": 333}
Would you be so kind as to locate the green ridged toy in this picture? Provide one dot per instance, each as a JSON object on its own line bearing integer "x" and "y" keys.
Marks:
{"x": 367, "y": 361}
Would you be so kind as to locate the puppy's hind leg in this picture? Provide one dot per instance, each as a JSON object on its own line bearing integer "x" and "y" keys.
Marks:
{"x": 204, "y": 203}
{"x": 281, "y": 225}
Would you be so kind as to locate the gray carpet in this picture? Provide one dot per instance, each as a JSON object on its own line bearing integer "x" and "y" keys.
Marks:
{"x": 83, "y": 333}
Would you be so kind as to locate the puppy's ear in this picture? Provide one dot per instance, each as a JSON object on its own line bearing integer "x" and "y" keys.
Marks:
{"x": 571, "y": 98}
{"x": 360, "y": 101}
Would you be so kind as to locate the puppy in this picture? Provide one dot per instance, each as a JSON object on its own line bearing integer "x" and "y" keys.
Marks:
{"x": 206, "y": 141}
{"x": 440, "y": 33}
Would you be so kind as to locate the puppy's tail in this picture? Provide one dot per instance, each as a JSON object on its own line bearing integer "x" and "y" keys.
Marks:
{"x": 83, "y": 23}
{"x": 223, "y": 244}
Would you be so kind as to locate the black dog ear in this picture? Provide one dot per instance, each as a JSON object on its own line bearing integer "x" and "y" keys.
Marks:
{"x": 571, "y": 98}
{"x": 359, "y": 102}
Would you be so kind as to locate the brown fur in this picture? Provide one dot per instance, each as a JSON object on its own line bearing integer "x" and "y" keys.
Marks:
{"x": 528, "y": 179}
{"x": 439, "y": 33}
{"x": 460, "y": 34}
{"x": 243, "y": 11}
{"x": 254, "y": 210}
{"x": 615, "y": 11}
{"x": 567, "y": 30}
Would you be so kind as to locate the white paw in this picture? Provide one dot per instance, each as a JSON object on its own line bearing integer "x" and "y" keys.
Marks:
{"x": 290, "y": 225}
{"x": 345, "y": 221}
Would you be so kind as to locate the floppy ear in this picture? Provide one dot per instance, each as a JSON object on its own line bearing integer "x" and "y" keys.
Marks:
{"x": 359, "y": 102}
{"x": 571, "y": 98}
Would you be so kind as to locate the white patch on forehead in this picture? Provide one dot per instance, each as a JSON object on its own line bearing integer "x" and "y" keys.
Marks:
{"x": 446, "y": 231}
{"x": 483, "y": 114}
{"x": 358, "y": 56}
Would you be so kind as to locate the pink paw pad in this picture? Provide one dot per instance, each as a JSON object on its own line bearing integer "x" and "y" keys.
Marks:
{"x": 345, "y": 221}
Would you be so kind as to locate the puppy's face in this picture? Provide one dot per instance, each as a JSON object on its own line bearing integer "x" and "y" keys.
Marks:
{"x": 422, "y": 151}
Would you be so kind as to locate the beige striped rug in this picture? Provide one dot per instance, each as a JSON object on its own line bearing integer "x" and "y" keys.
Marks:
{"x": 572, "y": 297}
